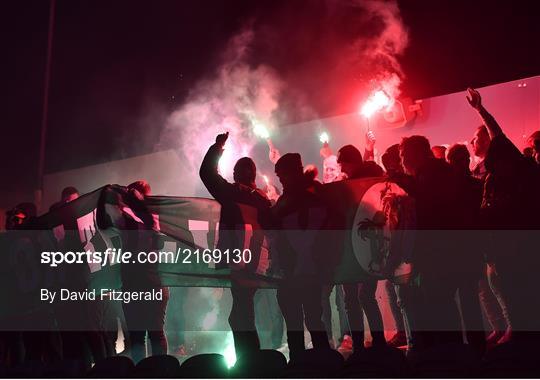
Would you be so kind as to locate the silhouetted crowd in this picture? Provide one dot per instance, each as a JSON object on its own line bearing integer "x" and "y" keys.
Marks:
{"x": 475, "y": 256}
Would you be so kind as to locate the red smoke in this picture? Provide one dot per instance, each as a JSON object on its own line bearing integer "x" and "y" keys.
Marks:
{"x": 331, "y": 54}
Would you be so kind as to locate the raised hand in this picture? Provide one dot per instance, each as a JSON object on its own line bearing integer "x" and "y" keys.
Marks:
{"x": 370, "y": 140}
{"x": 274, "y": 155}
{"x": 474, "y": 98}
{"x": 271, "y": 192}
{"x": 222, "y": 138}
{"x": 325, "y": 151}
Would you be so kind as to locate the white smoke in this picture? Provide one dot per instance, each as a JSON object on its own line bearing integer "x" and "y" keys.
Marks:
{"x": 235, "y": 98}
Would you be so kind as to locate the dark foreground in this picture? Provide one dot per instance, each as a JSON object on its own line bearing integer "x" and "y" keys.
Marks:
{"x": 514, "y": 359}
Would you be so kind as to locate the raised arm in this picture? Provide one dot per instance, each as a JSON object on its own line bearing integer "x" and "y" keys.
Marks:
{"x": 369, "y": 151}
{"x": 217, "y": 185}
{"x": 475, "y": 100}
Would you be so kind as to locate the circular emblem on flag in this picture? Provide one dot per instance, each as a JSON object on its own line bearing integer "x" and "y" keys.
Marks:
{"x": 380, "y": 241}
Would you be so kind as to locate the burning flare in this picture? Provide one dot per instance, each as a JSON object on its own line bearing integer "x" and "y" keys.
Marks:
{"x": 377, "y": 101}
{"x": 260, "y": 130}
{"x": 324, "y": 137}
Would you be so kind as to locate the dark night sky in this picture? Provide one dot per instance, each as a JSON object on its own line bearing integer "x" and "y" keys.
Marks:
{"x": 121, "y": 65}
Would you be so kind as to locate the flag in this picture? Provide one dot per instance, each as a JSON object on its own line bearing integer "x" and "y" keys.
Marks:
{"x": 373, "y": 220}
{"x": 369, "y": 220}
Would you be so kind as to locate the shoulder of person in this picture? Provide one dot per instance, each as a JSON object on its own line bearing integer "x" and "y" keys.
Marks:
{"x": 280, "y": 205}
{"x": 502, "y": 145}
{"x": 241, "y": 189}
{"x": 56, "y": 205}
{"x": 372, "y": 169}
{"x": 436, "y": 168}
{"x": 311, "y": 199}
{"x": 258, "y": 196}
{"x": 261, "y": 197}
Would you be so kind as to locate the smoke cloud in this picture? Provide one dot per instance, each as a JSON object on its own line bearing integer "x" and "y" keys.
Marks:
{"x": 295, "y": 61}
{"x": 330, "y": 53}
{"x": 232, "y": 100}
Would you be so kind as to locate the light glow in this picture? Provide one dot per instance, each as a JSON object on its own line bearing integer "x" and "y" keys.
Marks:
{"x": 260, "y": 130}
{"x": 231, "y": 154}
{"x": 210, "y": 320}
{"x": 377, "y": 101}
{"x": 229, "y": 353}
{"x": 324, "y": 137}
{"x": 225, "y": 163}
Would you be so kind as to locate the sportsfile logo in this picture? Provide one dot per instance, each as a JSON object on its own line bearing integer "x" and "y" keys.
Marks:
{"x": 183, "y": 255}
{"x": 111, "y": 256}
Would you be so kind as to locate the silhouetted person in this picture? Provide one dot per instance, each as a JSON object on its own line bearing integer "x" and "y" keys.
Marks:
{"x": 68, "y": 194}
{"x": 471, "y": 188}
{"x": 143, "y": 316}
{"x": 432, "y": 184}
{"x": 300, "y": 215}
{"x": 360, "y": 297}
{"x": 11, "y": 341}
{"x": 392, "y": 161}
{"x": 95, "y": 337}
{"x": 510, "y": 203}
{"x": 471, "y": 253}
{"x": 38, "y": 340}
{"x": 398, "y": 295}
{"x": 82, "y": 338}
{"x": 229, "y": 195}
{"x": 491, "y": 297}
{"x": 534, "y": 143}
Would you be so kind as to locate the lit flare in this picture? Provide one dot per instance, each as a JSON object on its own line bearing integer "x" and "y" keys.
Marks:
{"x": 324, "y": 137}
{"x": 376, "y": 102}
